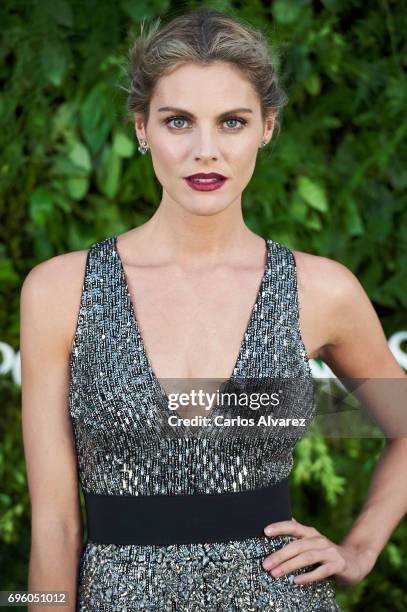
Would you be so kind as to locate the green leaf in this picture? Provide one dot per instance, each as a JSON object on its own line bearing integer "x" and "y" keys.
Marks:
{"x": 41, "y": 205}
{"x": 138, "y": 10}
{"x": 122, "y": 145}
{"x": 62, "y": 119}
{"x": 77, "y": 187}
{"x": 54, "y": 63}
{"x": 91, "y": 111}
{"x": 330, "y": 122}
{"x": 5, "y": 500}
{"x": 61, "y": 11}
{"x": 394, "y": 555}
{"x": 313, "y": 84}
{"x": 95, "y": 119}
{"x": 289, "y": 151}
{"x": 286, "y": 11}
{"x": 79, "y": 155}
{"x": 7, "y": 273}
{"x": 313, "y": 221}
{"x": 298, "y": 208}
{"x": 396, "y": 286}
{"x": 313, "y": 193}
{"x": 353, "y": 221}
{"x": 63, "y": 203}
{"x": 109, "y": 172}
{"x": 64, "y": 167}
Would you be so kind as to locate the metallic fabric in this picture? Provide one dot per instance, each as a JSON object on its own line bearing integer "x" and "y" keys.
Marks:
{"x": 126, "y": 446}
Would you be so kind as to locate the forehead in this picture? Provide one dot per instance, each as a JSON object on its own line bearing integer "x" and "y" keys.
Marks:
{"x": 197, "y": 87}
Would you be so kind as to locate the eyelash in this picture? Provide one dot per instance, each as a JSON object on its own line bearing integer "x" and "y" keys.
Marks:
{"x": 242, "y": 121}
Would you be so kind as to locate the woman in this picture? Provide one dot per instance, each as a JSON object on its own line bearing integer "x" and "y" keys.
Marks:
{"x": 185, "y": 516}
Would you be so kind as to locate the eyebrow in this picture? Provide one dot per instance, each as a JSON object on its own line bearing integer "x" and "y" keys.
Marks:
{"x": 187, "y": 113}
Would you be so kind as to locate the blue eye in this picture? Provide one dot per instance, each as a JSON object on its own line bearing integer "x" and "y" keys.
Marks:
{"x": 175, "y": 119}
{"x": 235, "y": 119}
{"x": 240, "y": 120}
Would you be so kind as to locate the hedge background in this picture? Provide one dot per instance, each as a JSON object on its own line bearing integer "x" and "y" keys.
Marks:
{"x": 333, "y": 183}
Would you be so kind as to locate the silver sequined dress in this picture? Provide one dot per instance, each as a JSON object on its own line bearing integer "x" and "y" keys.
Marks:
{"x": 125, "y": 446}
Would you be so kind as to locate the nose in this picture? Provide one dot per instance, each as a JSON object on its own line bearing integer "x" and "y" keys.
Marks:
{"x": 206, "y": 146}
{"x": 203, "y": 156}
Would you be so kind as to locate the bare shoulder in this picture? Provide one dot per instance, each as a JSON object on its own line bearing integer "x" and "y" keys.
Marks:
{"x": 322, "y": 284}
{"x": 353, "y": 340}
{"x": 53, "y": 288}
{"x": 324, "y": 275}
{"x": 330, "y": 285}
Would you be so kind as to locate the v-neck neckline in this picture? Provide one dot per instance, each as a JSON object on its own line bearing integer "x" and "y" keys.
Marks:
{"x": 135, "y": 322}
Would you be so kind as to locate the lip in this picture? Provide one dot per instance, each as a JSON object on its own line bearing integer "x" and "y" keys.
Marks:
{"x": 205, "y": 186}
{"x": 207, "y": 175}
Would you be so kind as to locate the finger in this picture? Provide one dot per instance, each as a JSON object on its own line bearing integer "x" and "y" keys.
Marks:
{"x": 304, "y": 559}
{"x": 291, "y": 550}
{"x": 280, "y": 527}
{"x": 323, "y": 571}
{"x": 290, "y": 528}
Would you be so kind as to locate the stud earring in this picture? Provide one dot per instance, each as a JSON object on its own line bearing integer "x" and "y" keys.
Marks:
{"x": 143, "y": 148}
{"x": 263, "y": 144}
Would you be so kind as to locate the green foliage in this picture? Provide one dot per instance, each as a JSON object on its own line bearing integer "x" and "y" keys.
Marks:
{"x": 333, "y": 183}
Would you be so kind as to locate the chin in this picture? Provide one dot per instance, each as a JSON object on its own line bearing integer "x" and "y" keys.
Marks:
{"x": 204, "y": 207}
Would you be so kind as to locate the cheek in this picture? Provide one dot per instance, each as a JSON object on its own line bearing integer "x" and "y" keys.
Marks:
{"x": 168, "y": 157}
{"x": 243, "y": 150}
{"x": 243, "y": 162}
{"x": 242, "y": 168}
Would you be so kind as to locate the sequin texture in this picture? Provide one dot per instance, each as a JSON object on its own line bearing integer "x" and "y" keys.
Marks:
{"x": 125, "y": 446}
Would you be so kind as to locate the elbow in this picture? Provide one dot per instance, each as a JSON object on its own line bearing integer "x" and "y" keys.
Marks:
{"x": 56, "y": 533}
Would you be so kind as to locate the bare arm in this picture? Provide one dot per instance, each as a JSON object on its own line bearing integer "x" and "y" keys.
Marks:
{"x": 350, "y": 339}
{"x": 56, "y": 526}
{"x": 358, "y": 349}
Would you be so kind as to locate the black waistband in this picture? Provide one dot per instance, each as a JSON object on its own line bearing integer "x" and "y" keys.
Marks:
{"x": 184, "y": 519}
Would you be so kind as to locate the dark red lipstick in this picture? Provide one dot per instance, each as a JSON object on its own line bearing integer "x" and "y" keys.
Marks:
{"x": 202, "y": 181}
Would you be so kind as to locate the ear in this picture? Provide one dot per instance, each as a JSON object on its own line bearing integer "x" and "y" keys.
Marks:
{"x": 269, "y": 127}
{"x": 139, "y": 126}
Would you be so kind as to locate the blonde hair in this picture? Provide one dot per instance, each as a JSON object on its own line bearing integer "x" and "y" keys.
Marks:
{"x": 204, "y": 36}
